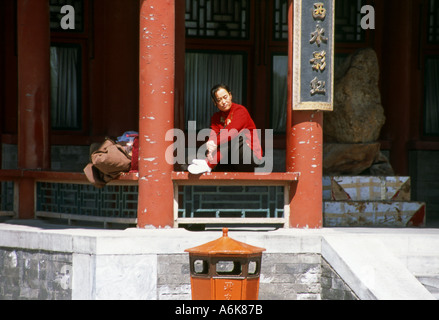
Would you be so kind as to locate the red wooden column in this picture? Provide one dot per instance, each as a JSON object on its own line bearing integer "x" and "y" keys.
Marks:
{"x": 33, "y": 44}
{"x": 156, "y": 112}
{"x": 304, "y": 154}
{"x": 401, "y": 107}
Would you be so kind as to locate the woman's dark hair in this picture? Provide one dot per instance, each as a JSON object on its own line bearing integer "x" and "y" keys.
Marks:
{"x": 216, "y": 88}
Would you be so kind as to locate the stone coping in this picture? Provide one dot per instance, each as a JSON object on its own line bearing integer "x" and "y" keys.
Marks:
{"x": 41, "y": 235}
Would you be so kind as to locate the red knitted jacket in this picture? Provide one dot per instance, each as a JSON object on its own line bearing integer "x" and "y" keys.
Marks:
{"x": 238, "y": 118}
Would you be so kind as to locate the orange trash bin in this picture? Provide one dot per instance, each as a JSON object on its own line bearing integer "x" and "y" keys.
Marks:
{"x": 225, "y": 269}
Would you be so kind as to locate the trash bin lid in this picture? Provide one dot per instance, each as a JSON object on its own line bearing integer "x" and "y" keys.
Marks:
{"x": 225, "y": 246}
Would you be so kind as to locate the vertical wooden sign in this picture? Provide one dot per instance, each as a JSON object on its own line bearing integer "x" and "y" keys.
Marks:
{"x": 313, "y": 57}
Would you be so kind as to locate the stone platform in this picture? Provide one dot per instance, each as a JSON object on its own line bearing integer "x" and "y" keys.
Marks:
{"x": 39, "y": 260}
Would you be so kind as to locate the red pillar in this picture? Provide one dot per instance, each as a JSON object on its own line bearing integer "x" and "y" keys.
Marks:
{"x": 33, "y": 84}
{"x": 33, "y": 44}
{"x": 156, "y": 112}
{"x": 304, "y": 154}
{"x": 401, "y": 49}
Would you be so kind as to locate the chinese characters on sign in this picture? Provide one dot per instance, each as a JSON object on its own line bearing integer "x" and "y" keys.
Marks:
{"x": 313, "y": 55}
{"x": 317, "y": 37}
{"x": 318, "y": 60}
{"x": 317, "y": 86}
{"x": 319, "y": 12}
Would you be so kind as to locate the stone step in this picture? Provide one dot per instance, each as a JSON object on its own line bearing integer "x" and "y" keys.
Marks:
{"x": 373, "y": 214}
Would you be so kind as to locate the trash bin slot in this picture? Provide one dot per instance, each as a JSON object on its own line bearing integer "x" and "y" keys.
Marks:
{"x": 200, "y": 267}
{"x": 230, "y": 268}
{"x": 253, "y": 268}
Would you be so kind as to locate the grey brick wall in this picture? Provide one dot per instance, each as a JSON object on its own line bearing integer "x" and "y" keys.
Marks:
{"x": 290, "y": 277}
{"x": 173, "y": 277}
{"x": 333, "y": 287}
{"x": 304, "y": 276}
{"x": 31, "y": 275}
{"x": 35, "y": 275}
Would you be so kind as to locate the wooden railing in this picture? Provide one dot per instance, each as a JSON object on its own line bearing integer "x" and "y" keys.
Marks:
{"x": 283, "y": 179}
{"x": 57, "y": 177}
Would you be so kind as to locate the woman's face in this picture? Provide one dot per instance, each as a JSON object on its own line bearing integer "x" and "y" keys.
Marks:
{"x": 223, "y": 99}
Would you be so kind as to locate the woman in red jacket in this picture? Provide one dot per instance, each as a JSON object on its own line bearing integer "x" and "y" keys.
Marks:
{"x": 233, "y": 144}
